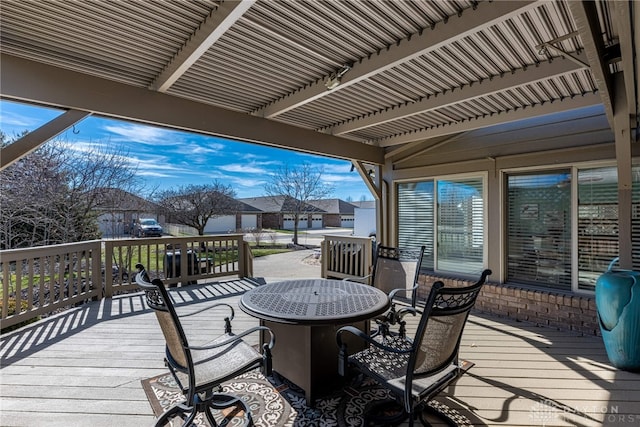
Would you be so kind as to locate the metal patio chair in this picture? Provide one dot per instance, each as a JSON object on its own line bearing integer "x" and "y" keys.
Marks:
{"x": 395, "y": 271}
{"x": 415, "y": 369}
{"x": 200, "y": 370}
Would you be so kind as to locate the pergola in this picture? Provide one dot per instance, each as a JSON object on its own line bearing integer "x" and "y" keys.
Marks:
{"x": 397, "y": 87}
{"x": 404, "y": 89}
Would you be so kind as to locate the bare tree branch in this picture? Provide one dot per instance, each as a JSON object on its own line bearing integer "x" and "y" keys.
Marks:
{"x": 299, "y": 185}
{"x": 50, "y": 195}
{"x": 195, "y": 205}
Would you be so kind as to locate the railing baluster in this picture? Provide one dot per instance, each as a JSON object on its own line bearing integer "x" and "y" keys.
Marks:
{"x": 30, "y": 290}
{"x": 18, "y": 288}
{"x": 70, "y": 267}
{"x": 346, "y": 256}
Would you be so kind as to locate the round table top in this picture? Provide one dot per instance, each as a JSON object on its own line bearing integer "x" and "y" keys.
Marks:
{"x": 314, "y": 301}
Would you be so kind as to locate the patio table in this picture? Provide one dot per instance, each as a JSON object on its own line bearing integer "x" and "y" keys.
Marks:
{"x": 305, "y": 315}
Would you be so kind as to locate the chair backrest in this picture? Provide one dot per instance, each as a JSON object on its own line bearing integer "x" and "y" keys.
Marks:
{"x": 158, "y": 299}
{"x": 396, "y": 267}
{"x": 439, "y": 332}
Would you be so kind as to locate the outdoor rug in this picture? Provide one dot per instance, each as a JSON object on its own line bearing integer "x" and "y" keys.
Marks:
{"x": 276, "y": 402}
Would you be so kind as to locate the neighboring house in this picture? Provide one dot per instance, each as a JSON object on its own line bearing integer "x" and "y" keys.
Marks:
{"x": 118, "y": 209}
{"x": 337, "y": 213}
{"x": 278, "y": 212}
{"x": 247, "y": 217}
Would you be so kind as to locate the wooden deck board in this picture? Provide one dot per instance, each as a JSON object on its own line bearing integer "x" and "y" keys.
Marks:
{"x": 84, "y": 366}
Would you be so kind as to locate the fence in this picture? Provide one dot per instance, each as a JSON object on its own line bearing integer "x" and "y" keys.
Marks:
{"x": 39, "y": 281}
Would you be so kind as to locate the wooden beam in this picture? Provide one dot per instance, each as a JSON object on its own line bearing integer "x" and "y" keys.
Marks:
{"x": 623, "y": 137}
{"x": 34, "y": 139}
{"x": 424, "y": 147}
{"x": 623, "y": 14}
{"x": 586, "y": 17}
{"x": 29, "y": 81}
{"x": 214, "y": 27}
{"x": 364, "y": 174}
{"x": 457, "y": 27}
{"x": 556, "y": 106}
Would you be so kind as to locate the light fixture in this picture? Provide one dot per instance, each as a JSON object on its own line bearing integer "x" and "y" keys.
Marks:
{"x": 334, "y": 79}
{"x": 371, "y": 173}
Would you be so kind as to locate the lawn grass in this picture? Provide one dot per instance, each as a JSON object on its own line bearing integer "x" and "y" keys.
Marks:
{"x": 132, "y": 255}
{"x": 258, "y": 251}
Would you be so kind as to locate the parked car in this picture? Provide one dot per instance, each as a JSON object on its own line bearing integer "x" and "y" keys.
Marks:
{"x": 146, "y": 227}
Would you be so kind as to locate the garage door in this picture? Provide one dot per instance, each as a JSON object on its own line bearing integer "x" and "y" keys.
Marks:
{"x": 221, "y": 224}
{"x": 316, "y": 221}
{"x": 111, "y": 224}
{"x": 346, "y": 221}
{"x": 249, "y": 222}
{"x": 288, "y": 222}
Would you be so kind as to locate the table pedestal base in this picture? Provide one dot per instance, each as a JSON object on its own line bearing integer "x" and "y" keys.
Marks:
{"x": 308, "y": 355}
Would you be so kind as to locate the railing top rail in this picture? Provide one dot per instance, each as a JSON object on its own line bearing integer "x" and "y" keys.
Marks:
{"x": 205, "y": 238}
{"x": 21, "y": 253}
{"x": 342, "y": 237}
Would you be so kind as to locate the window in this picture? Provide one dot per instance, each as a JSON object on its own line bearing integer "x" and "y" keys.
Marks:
{"x": 454, "y": 235}
{"x": 416, "y": 218}
{"x": 539, "y": 228}
{"x": 540, "y": 221}
{"x": 598, "y": 222}
{"x": 460, "y": 226}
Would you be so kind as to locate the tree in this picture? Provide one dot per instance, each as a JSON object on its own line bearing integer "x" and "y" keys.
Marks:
{"x": 50, "y": 195}
{"x": 299, "y": 185}
{"x": 194, "y": 205}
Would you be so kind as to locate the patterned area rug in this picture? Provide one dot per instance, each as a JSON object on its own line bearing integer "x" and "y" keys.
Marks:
{"x": 275, "y": 402}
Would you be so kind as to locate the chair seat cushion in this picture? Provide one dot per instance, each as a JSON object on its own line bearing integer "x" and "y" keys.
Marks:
{"x": 222, "y": 363}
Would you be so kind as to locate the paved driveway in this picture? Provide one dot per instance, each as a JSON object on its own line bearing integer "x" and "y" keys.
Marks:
{"x": 288, "y": 265}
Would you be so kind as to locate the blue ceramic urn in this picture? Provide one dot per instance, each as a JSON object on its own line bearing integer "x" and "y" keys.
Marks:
{"x": 618, "y": 306}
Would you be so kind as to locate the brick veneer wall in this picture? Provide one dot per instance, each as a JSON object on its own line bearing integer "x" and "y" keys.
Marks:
{"x": 542, "y": 307}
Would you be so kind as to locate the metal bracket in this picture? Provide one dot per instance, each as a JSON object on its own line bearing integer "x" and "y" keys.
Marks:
{"x": 544, "y": 48}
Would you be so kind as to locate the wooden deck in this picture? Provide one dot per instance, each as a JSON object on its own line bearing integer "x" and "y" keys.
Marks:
{"x": 83, "y": 368}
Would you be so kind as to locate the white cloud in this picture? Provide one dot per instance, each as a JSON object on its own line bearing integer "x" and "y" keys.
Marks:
{"x": 18, "y": 120}
{"x": 249, "y": 182}
{"x": 334, "y": 167}
{"x": 334, "y": 178}
{"x": 154, "y": 174}
{"x": 193, "y": 148}
{"x": 243, "y": 168}
{"x": 144, "y": 134}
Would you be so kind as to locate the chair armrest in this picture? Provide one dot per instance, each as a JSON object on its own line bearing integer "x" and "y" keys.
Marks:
{"x": 208, "y": 307}
{"x": 404, "y": 311}
{"x": 396, "y": 291}
{"x": 233, "y": 338}
{"x": 358, "y": 279}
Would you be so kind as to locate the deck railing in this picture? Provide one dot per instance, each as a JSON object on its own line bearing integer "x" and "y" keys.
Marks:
{"x": 345, "y": 256}
{"x": 41, "y": 280}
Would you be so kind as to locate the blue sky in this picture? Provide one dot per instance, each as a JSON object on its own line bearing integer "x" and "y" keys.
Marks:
{"x": 166, "y": 158}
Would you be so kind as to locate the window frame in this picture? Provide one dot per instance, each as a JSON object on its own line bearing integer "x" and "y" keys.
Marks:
{"x": 574, "y": 170}
{"x": 481, "y": 176}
